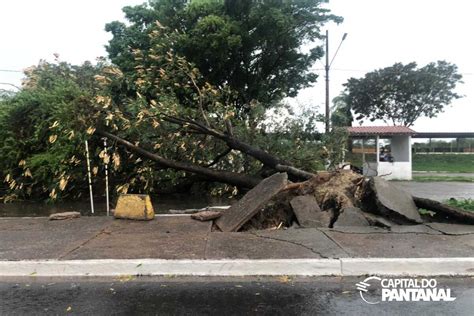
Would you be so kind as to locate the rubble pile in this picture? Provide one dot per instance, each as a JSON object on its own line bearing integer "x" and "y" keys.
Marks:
{"x": 340, "y": 198}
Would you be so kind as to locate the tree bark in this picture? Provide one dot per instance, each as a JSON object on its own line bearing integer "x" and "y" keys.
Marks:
{"x": 232, "y": 178}
{"x": 267, "y": 159}
{"x": 444, "y": 209}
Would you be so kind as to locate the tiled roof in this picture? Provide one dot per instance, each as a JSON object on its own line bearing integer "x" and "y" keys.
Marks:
{"x": 380, "y": 130}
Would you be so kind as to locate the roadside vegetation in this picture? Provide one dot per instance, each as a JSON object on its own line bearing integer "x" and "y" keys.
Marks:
{"x": 442, "y": 179}
{"x": 466, "y": 204}
{"x": 192, "y": 99}
{"x": 462, "y": 163}
{"x": 185, "y": 100}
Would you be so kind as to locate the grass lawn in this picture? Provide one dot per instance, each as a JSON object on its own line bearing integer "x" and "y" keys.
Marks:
{"x": 441, "y": 178}
{"x": 444, "y": 162}
{"x": 466, "y": 204}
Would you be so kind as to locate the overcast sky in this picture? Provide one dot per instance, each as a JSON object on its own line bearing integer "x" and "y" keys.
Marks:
{"x": 380, "y": 33}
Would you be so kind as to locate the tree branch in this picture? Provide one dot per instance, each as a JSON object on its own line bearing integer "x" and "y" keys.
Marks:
{"x": 232, "y": 178}
{"x": 255, "y": 152}
{"x": 218, "y": 158}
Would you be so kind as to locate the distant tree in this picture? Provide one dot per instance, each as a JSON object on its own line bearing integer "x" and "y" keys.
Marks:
{"x": 401, "y": 94}
{"x": 341, "y": 112}
{"x": 254, "y": 47}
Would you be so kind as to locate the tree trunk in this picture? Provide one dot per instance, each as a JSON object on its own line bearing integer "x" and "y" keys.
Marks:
{"x": 232, "y": 178}
{"x": 444, "y": 209}
{"x": 267, "y": 159}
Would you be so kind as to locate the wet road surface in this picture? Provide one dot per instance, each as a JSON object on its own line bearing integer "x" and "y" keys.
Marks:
{"x": 216, "y": 296}
{"x": 439, "y": 191}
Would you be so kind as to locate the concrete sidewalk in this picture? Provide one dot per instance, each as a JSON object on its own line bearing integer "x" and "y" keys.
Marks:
{"x": 189, "y": 243}
{"x": 180, "y": 237}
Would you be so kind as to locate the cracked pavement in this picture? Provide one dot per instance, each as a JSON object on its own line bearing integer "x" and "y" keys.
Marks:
{"x": 180, "y": 237}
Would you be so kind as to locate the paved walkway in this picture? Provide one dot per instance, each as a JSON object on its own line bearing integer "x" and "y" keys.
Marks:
{"x": 439, "y": 191}
{"x": 180, "y": 237}
{"x": 443, "y": 174}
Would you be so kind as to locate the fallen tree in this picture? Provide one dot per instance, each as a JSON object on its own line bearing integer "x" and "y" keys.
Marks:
{"x": 232, "y": 178}
{"x": 445, "y": 210}
{"x": 167, "y": 126}
{"x": 341, "y": 198}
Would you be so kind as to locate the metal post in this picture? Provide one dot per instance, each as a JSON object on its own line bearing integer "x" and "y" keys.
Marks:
{"x": 326, "y": 68}
{"x": 106, "y": 177}
{"x": 90, "y": 177}
{"x": 327, "y": 82}
{"x": 377, "y": 150}
{"x": 363, "y": 151}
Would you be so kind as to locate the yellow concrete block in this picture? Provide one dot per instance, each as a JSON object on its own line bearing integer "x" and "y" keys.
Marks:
{"x": 134, "y": 206}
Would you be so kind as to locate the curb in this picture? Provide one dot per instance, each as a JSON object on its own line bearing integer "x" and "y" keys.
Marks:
{"x": 241, "y": 267}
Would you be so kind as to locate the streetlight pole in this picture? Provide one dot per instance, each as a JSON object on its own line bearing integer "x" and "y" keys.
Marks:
{"x": 326, "y": 68}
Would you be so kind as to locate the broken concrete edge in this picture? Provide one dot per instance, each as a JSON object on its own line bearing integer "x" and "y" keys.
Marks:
{"x": 240, "y": 267}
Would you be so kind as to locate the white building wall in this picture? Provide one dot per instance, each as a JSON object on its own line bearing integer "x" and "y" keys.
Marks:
{"x": 400, "y": 168}
{"x": 394, "y": 170}
{"x": 400, "y": 147}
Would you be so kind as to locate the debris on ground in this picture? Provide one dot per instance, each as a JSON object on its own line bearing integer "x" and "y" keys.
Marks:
{"x": 332, "y": 199}
{"x": 135, "y": 207}
{"x": 252, "y": 202}
{"x": 351, "y": 216}
{"x": 308, "y": 213}
{"x": 206, "y": 215}
{"x": 197, "y": 210}
{"x": 379, "y": 221}
{"x": 64, "y": 215}
{"x": 384, "y": 198}
{"x": 444, "y": 211}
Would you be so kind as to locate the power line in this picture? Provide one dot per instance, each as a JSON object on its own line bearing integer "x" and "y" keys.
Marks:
{"x": 10, "y": 84}
{"x": 10, "y": 70}
{"x": 366, "y": 70}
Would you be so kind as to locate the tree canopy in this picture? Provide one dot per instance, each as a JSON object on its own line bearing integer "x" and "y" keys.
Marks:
{"x": 175, "y": 131}
{"x": 170, "y": 124}
{"x": 254, "y": 47}
{"x": 401, "y": 94}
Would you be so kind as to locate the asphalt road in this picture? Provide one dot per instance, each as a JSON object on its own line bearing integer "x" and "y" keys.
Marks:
{"x": 216, "y": 296}
{"x": 439, "y": 191}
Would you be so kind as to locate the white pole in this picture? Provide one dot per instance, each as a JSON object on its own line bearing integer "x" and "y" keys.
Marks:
{"x": 106, "y": 178}
{"x": 89, "y": 176}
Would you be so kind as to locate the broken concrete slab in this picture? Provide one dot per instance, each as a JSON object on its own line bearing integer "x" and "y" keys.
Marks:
{"x": 64, "y": 215}
{"x": 393, "y": 202}
{"x": 351, "y": 216}
{"x": 135, "y": 207}
{"x": 452, "y": 229}
{"x": 379, "y": 221}
{"x": 206, "y": 215}
{"x": 252, "y": 202}
{"x": 308, "y": 213}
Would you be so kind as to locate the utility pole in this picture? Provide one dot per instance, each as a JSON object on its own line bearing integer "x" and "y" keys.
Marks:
{"x": 326, "y": 68}
{"x": 327, "y": 119}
